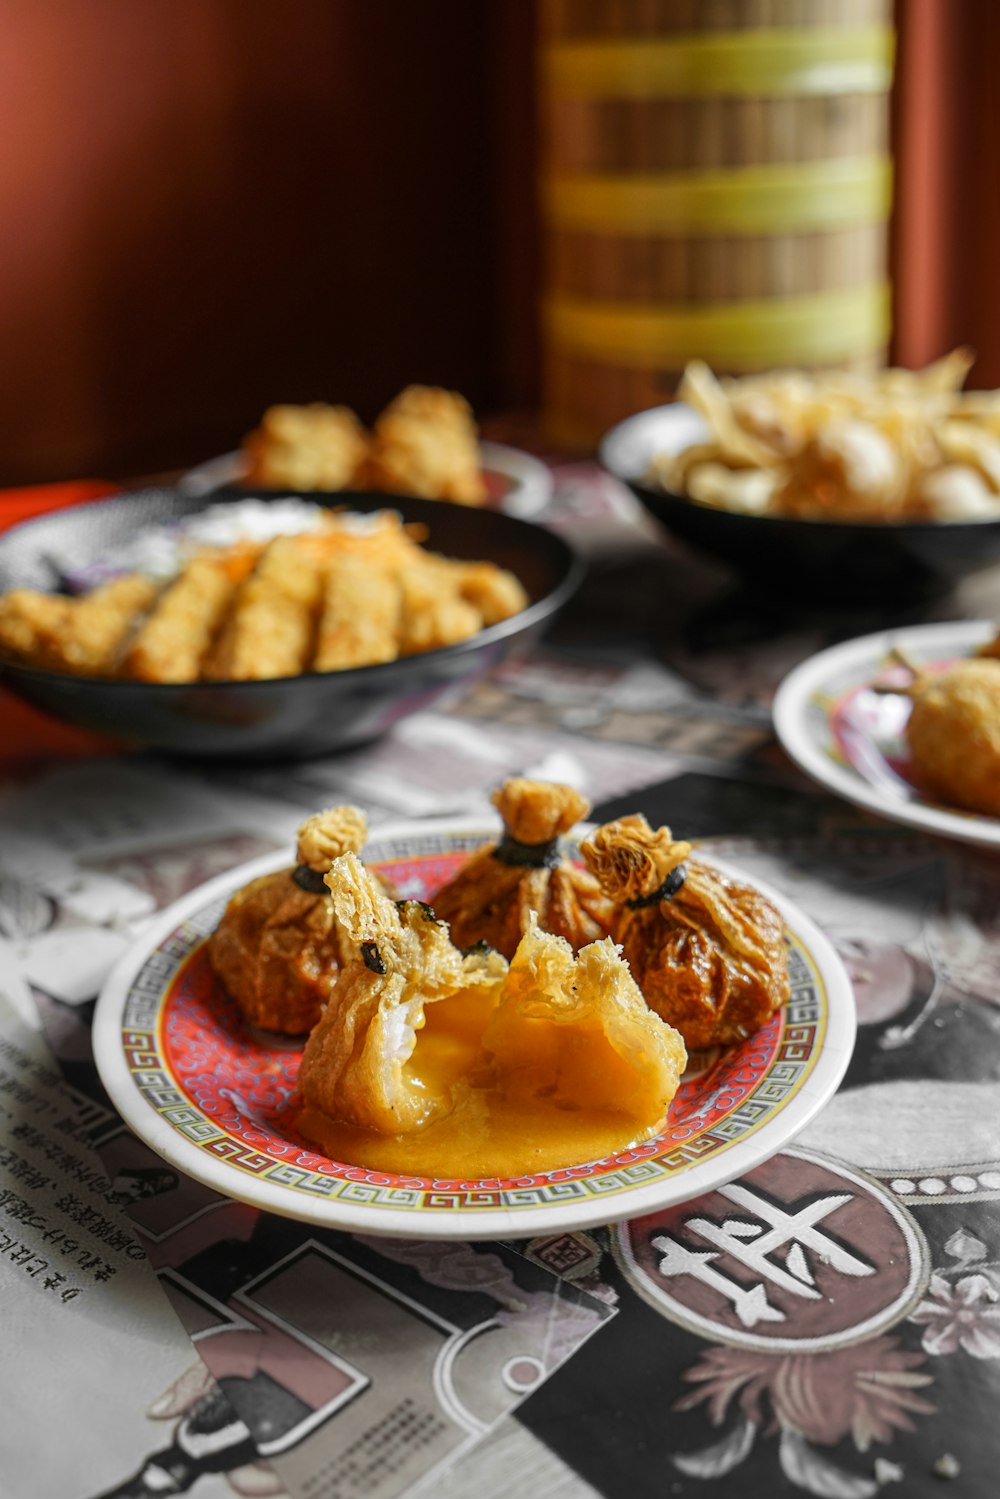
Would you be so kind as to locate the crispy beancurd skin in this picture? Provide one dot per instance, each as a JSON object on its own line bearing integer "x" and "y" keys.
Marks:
{"x": 443, "y": 1062}
{"x": 954, "y": 735}
{"x": 491, "y": 899}
{"x": 354, "y": 1066}
{"x": 711, "y": 958}
{"x": 278, "y": 947}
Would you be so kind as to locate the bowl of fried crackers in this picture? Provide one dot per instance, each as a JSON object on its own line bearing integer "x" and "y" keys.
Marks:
{"x": 840, "y": 486}
{"x": 251, "y": 627}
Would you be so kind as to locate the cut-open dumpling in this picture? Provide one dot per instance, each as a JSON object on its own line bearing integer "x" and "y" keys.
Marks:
{"x": 708, "y": 953}
{"x": 491, "y": 897}
{"x": 573, "y": 1033}
{"x": 440, "y": 1061}
{"x": 278, "y": 946}
{"x": 362, "y": 1065}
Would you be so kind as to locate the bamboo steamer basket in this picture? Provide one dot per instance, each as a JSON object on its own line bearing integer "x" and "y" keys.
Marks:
{"x": 715, "y": 183}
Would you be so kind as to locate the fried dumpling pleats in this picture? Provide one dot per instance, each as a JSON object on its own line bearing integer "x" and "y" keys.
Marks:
{"x": 575, "y": 1033}
{"x": 708, "y": 954}
{"x": 278, "y": 946}
{"x": 362, "y": 1063}
{"x": 492, "y": 896}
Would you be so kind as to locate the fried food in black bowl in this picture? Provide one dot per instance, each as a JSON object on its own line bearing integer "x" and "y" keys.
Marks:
{"x": 298, "y": 714}
{"x": 844, "y": 490}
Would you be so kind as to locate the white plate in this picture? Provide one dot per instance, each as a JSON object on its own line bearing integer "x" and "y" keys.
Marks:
{"x": 525, "y": 482}
{"x": 850, "y": 738}
{"x": 218, "y": 1103}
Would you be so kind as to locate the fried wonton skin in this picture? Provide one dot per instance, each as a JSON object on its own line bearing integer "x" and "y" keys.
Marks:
{"x": 279, "y": 946}
{"x": 574, "y": 1032}
{"x": 491, "y": 897}
{"x": 708, "y": 954}
{"x": 954, "y": 734}
{"x": 360, "y": 1063}
{"x": 425, "y": 443}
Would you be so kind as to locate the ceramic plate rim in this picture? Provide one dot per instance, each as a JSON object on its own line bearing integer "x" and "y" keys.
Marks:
{"x": 790, "y": 713}
{"x": 532, "y": 477}
{"x": 464, "y": 1223}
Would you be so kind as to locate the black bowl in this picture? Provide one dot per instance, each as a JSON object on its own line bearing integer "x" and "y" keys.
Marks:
{"x": 295, "y": 717}
{"x": 831, "y": 562}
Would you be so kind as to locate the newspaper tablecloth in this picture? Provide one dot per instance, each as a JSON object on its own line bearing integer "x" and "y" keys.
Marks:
{"x": 302, "y": 1361}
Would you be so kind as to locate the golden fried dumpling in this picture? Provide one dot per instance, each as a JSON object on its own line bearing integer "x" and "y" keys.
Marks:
{"x": 362, "y": 1064}
{"x": 278, "y": 946}
{"x": 425, "y": 443}
{"x": 574, "y": 1033}
{"x": 708, "y": 954}
{"x": 491, "y": 897}
{"x": 317, "y": 446}
{"x": 954, "y": 733}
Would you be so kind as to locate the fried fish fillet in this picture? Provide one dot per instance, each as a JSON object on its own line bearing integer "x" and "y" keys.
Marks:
{"x": 270, "y": 628}
{"x": 172, "y": 641}
{"x": 85, "y": 635}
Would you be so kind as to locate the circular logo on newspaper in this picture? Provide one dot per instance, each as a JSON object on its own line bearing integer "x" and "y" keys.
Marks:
{"x": 801, "y": 1254}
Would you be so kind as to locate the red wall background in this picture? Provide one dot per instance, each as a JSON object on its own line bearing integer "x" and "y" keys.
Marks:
{"x": 210, "y": 205}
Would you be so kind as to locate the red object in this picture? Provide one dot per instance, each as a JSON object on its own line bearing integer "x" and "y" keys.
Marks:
{"x": 21, "y": 504}
{"x": 27, "y": 736}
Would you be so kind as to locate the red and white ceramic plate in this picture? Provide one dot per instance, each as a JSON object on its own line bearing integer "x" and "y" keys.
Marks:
{"x": 851, "y": 738}
{"x": 219, "y": 1102}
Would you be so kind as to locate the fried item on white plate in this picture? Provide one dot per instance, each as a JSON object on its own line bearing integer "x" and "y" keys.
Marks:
{"x": 707, "y": 952}
{"x": 426, "y": 443}
{"x": 316, "y": 446}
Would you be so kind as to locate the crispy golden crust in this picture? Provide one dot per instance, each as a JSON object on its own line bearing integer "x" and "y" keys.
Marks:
{"x": 425, "y": 443}
{"x": 353, "y": 1067}
{"x": 575, "y": 1030}
{"x": 269, "y": 631}
{"x": 277, "y": 950}
{"x": 360, "y": 619}
{"x": 278, "y": 947}
{"x": 306, "y": 447}
{"x": 954, "y": 735}
{"x": 710, "y": 958}
{"x": 173, "y": 640}
{"x": 84, "y": 635}
{"x": 490, "y": 900}
{"x": 352, "y": 592}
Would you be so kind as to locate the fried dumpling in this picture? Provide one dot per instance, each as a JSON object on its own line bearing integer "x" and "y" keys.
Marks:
{"x": 491, "y": 897}
{"x": 278, "y": 946}
{"x": 708, "y": 954}
{"x": 362, "y": 1064}
{"x": 574, "y": 1033}
{"x": 435, "y": 1060}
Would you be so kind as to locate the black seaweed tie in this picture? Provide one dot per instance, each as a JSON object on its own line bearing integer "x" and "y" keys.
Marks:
{"x": 670, "y": 886}
{"x": 309, "y": 879}
{"x": 528, "y": 855}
